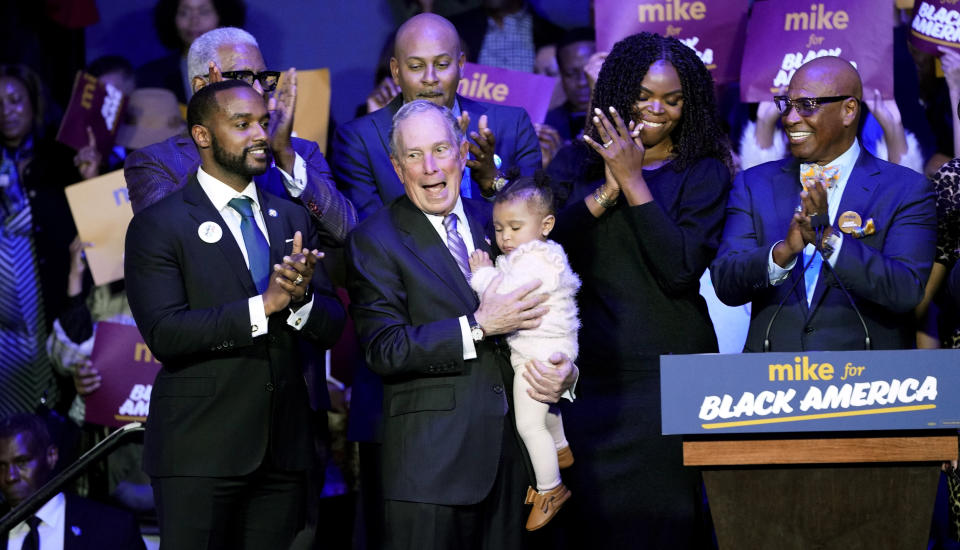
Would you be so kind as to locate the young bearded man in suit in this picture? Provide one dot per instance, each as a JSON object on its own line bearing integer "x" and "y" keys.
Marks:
{"x": 298, "y": 169}
{"x": 454, "y": 473}
{"x": 879, "y": 225}
{"x": 222, "y": 299}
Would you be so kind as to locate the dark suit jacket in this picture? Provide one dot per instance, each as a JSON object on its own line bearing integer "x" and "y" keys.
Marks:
{"x": 157, "y": 170}
{"x": 885, "y": 272}
{"x": 90, "y": 525}
{"x": 444, "y": 417}
{"x": 223, "y": 399}
{"x": 360, "y": 151}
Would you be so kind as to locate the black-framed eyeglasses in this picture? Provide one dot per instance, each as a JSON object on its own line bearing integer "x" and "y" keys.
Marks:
{"x": 805, "y": 106}
{"x": 268, "y": 79}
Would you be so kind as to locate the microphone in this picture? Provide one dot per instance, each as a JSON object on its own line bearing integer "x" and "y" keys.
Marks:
{"x": 866, "y": 332}
{"x": 776, "y": 312}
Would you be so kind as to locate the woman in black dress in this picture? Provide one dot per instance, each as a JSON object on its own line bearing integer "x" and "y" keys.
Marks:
{"x": 644, "y": 212}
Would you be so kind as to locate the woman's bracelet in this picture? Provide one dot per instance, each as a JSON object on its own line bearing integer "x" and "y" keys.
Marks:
{"x": 602, "y": 199}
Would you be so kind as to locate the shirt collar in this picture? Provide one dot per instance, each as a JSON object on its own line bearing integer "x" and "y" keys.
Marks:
{"x": 220, "y": 193}
{"x": 437, "y": 220}
{"x": 52, "y": 512}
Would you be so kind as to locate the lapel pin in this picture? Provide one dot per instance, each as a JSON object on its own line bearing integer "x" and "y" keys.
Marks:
{"x": 210, "y": 232}
{"x": 272, "y": 213}
{"x": 849, "y": 222}
{"x": 75, "y": 530}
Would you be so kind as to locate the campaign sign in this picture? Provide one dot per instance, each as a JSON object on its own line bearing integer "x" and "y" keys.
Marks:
{"x": 810, "y": 391}
{"x": 93, "y": 105}
{"x": 311, "y": 116}
{"x": 127, "y": 369}
{"x": 714, "y": 29}
{"x": 506, "y": 87}
{"x": 101, "y": 210}
{"x": 783, "y": 35}
{"x": 935, "y": 23}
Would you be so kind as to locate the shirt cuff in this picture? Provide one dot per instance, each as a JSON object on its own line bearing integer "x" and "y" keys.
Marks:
{"x": 469, "y": 350}
{"x": 298, "y": 318}
{"x": 298, "y": 182}
{"x": 258, "y": 319}
{"x": 776, "y": 274}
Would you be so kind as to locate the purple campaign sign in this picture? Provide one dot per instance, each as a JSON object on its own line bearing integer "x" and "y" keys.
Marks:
{"x": 94, "y": 105}
{"x": 935, "y": 23}
{"x": 713, "y": 28}
{"x": 810, "y": 391}
{"x": 127, "y": 368}
{"x": 506, "y": 87}
{"x": 783, "y": 35}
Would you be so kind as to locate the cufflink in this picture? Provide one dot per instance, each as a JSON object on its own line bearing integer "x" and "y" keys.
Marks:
{"x": 254, "y": 329}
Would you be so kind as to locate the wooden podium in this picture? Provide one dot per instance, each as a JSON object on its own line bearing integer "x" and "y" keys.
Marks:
{"x": 836, "y": 490}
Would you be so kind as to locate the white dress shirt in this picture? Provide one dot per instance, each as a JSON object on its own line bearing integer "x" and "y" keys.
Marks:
{"x": 220, "y": 194}
{"x": 51, "y": 529}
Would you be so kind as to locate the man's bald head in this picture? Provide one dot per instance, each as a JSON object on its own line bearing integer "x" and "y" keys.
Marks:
{"x": 824, "y": 133}
{"x": 427, "y": 59}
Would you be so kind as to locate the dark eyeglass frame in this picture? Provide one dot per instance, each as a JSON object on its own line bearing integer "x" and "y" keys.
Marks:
{"x": 805, "y": 106}
{"x": 268, "y": 79}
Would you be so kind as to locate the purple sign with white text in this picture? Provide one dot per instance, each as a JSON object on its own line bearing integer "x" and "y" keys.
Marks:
{"x": 127, "y": 369}
{"x": 935, "y": 23}
{"x": 782, "y": 35}
{"x": 506, "y": 87}
{"x": 713, "y": 28}
{"x": 94, "y": 105}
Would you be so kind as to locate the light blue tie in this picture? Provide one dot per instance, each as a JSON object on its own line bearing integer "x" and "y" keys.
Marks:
{"x": 258, "y": 251}
{"x": 456, "y": 245}
{"x": 812, "y": 273}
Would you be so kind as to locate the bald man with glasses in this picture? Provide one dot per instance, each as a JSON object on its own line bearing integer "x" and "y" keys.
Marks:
{"x": 803, "y": 231}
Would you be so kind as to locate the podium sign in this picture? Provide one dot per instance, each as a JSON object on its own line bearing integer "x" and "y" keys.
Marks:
{"x": 810, "y": 391}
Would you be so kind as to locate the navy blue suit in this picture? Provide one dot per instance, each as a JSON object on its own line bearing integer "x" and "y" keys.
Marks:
{"x": 360, "y": 151}
{"x": 89, "y": 525}
{"x": 885, "y": 272}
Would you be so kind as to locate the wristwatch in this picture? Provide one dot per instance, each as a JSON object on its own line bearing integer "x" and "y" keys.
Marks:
{"x": 476, "y": 331}
{"x": 830, "y": 243}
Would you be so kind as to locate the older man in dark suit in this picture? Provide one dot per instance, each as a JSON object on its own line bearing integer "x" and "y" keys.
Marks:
{"x": 453, "y": 469}
{"x": 876, "y": 237}
{"x": 222, "y": 299}
{"x": 298, "y": 169}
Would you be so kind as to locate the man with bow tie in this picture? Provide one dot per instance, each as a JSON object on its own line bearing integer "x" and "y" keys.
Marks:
{"x": 830, "y": 215}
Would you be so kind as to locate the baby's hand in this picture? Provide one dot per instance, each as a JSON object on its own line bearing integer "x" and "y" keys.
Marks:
{"x": 479, "y": 259}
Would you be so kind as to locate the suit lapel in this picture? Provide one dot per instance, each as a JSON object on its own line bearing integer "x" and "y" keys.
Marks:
{"x": 786, "y": 198}
{"x": 277, "y": 228}
{"x": 202, "y": 210}
{"x": 857, "y": 195}
{"x": 383, "y": 121}
{"x": 422, "y": 240}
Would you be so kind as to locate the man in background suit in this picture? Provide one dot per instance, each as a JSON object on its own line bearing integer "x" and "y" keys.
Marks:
{"x": 879, "y": 235}
{"x": 453, "y": 471}
{"x": 66, "y": 521}
{"x": 222, "y": 299}
{"x": 427, "y": 64}
{"x": 298, "y": 169}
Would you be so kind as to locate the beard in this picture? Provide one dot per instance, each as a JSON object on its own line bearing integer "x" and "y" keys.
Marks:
{"x": 238, "y": 164}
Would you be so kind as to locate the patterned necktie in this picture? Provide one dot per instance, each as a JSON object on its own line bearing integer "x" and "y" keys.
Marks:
{"x": 258, "y": 251}
{"x": 32, "y": 540}
{"x": 455, "y": 244}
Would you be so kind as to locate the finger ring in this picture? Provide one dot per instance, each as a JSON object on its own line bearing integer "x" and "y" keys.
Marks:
{"x": 608, "y": 144}
{"x": 298, "y": 280}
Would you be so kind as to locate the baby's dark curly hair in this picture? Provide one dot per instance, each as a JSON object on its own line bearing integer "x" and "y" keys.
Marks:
{"x": 698, "y": 133}
{"x": 534, "y": 190}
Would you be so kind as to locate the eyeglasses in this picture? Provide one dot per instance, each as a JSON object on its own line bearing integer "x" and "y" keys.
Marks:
{"x": 806, "y": 106}
{"x": 268, "y": 79}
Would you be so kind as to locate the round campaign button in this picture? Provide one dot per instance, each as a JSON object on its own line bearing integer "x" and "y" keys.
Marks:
{"x": 210, "y": 232}
{"x": 849, "y": 221}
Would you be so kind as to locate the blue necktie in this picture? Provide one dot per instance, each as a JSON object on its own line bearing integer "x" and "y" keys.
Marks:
{"x": 258, "y": 251}
{"x": 456, "y": 246}
{"x": 812, "y": 273}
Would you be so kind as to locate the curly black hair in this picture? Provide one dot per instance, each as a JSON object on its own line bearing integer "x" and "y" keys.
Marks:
{"x": 231, "y": 13}
{"x": 698, "y": 133}
{"x": 535, "y": 190}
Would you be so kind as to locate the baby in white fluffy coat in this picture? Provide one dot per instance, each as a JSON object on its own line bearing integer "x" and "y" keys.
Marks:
{"x": 523, "y": 218}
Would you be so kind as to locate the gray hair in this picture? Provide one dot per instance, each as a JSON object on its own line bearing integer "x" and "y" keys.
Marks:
{"x": 204, "y": 48}
{"x": 423, "y": 106}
